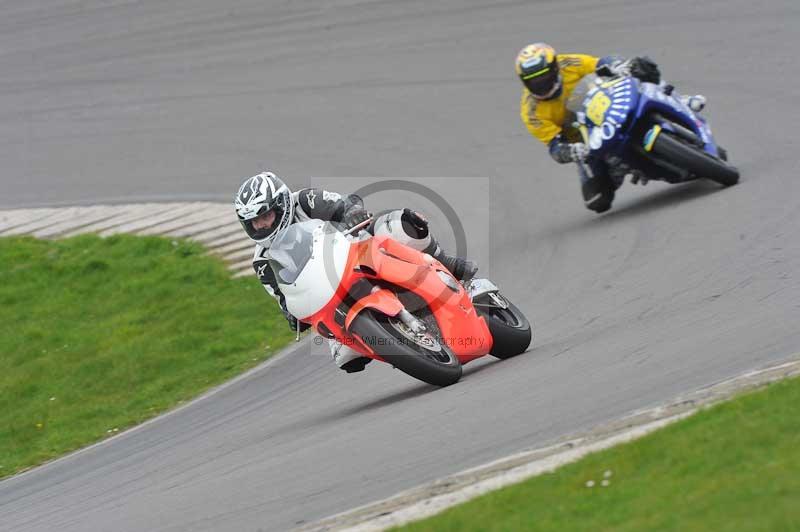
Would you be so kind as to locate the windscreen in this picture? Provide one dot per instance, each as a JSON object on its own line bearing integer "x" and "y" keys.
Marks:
{"x": 575, "y": 100}
{"x": 291, "y": 251}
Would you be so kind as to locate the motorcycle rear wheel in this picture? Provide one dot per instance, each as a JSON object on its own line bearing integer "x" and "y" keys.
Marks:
{"x": 511, "y": 330}
{"x": 695, "y": 160}
{"x": 427, "y": 359}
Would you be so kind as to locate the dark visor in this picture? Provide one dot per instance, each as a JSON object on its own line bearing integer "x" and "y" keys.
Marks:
{"x": 264, "y": 232}
{"x": 541, "y": 83}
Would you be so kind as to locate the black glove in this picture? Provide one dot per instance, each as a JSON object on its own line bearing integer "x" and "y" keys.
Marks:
{"x": 616, "y": 67}
{"x": 293, "y": 322}
{"x": 566, "y": 152}
{"x": 645, "y": 69}
{"x": 355, "y": 215}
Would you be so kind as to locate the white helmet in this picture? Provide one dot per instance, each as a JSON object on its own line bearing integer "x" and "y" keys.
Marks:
{"x": 259, "y": 195}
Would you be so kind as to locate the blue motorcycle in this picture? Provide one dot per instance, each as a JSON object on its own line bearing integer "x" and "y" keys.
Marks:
{"x": 642, "y": 130}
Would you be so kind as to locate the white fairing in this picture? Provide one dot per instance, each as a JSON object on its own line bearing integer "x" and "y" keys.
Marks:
{"x": 317, "y": 282}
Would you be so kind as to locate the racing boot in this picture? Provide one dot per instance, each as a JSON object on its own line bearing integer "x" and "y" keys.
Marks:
{"x": 597, "y": 196}
{"x": 346, "y": 358}
{"x": 596, "y": 186}
{"x": 696, "y": 103}
{"x": 462, "y": 269}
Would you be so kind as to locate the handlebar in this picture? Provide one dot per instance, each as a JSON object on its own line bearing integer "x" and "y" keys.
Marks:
{"x": 360, "y": 226}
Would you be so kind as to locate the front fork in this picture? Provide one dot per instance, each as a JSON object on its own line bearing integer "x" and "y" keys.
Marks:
{"x": 585, "y": 170}
{"x": 412, "y": 322}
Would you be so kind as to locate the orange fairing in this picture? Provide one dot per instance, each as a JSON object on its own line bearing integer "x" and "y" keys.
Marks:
{"x": 462, "y": 328}
{"x": 382, "y": 300}
{"x": 380, "y": 261}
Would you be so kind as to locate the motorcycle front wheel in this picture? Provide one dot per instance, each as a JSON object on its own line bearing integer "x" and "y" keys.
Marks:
{"x": 422, "y": 356}
{"x": 695, "y": 160}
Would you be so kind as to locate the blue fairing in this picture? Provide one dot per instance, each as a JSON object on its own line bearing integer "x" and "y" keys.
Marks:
{"x": 653, "y": 99}
{"x": 609, "y": 133}
{"x": 611, "y": 117}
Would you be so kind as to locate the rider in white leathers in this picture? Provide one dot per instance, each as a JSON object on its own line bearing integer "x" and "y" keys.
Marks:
{"x": 265, "y": 206}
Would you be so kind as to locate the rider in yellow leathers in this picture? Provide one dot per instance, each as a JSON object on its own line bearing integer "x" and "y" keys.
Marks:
{"x": 549, "y": 80}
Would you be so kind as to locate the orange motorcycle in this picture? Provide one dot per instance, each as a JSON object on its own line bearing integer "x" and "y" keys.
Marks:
{"x": 393, "y": 303}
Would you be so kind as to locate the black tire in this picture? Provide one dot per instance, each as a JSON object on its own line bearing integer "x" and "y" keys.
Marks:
{"x": 510, "y": 329}
{"x": 440, "y": 368}
{"x": 695, "y": 160}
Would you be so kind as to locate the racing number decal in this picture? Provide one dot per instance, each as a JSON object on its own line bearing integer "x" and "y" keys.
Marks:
{"x": 597, "y": 107}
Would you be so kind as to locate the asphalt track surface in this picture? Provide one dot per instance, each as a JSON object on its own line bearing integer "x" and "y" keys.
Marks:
{"x": 676, "y": 288}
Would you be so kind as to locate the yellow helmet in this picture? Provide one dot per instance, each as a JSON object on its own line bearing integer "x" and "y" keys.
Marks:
{"x": 537, "y": 67}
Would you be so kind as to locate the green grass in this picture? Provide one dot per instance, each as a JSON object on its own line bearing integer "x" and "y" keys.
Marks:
{"x": 735, "y": 466}
{"x": 101, "y": 334}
